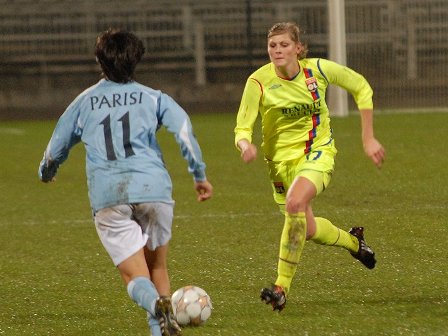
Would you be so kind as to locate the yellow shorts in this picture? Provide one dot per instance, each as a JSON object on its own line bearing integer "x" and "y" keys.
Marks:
{"x": 317, "y": 167}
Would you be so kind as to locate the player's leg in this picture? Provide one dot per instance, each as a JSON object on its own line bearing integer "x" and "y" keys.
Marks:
{"x": 326, "y": 233}
{"x": 158, "y": 268}
{"x": 134, "y": 266}
{"x": 297, "y": 213}
{"x": 136, "y": 276}
{"x": 123, "y": 239}
{"x": 298, "y": 216}
{"x": 144, "y": 292}
{"x": 155, "y": 220}
{"x": 322, "y": 231}
{"x": 318, "y": 168}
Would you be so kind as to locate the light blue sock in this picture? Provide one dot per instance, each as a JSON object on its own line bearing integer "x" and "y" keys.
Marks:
{"x": 144, "y": 293}
{"x": 154, "y": 326}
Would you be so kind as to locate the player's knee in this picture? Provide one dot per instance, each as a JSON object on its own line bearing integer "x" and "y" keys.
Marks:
{"x": 295, "y": 205}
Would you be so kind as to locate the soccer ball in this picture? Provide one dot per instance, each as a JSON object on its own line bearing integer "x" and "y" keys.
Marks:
{"x": 191, "y": 306}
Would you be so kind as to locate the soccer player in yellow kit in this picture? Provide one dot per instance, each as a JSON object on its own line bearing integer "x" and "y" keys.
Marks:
{"x": 289, "y": 94}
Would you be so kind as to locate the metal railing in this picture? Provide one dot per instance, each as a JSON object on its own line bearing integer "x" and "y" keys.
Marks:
{"x": 392, "y": 42}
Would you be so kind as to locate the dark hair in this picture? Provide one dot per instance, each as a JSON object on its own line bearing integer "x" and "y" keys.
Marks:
{"x": 294, "y": 33}
{"x": 118, "y": 52}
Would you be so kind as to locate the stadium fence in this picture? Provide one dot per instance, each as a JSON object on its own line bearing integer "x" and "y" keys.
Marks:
{"x": 198, "y": 48}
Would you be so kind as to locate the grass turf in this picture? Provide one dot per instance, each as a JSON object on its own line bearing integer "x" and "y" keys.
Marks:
{"x": 56, "y": 279}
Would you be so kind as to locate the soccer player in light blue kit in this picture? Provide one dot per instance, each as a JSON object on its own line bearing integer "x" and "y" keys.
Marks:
{"x": 130, "y": 189}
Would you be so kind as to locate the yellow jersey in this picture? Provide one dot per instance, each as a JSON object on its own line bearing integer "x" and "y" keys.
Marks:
{"x": 294, "y": 114}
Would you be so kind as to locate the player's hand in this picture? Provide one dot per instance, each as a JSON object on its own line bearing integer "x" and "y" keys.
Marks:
{"x": 375, "y": 151}
{"x": 53, "y": 179}
{"x": 204, "y": 190}
{"x": 248, "y": 150}
{"x": 47, "y": 171}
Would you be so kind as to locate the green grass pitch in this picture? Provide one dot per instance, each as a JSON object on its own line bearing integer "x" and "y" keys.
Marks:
{"x": 56, "y": 279}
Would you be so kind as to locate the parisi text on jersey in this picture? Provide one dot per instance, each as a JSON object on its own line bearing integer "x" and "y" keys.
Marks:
{"x": 115, "y": 99}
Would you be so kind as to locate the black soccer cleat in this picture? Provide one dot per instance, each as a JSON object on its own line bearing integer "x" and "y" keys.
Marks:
{"x": 164, "y": 313}
{"x": 365, "y": 254}
{"x": 274, "y": 296}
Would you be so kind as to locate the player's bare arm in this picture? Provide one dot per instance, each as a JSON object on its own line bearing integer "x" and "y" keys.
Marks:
{"x": 248, "y": 150}
{"x": 372, "y": 147}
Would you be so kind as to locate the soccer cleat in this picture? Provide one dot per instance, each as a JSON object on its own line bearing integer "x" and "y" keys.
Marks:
{"x": 365, "y": 254}
{"x": 164, "y": 313}
{"x": 274, "y": 296}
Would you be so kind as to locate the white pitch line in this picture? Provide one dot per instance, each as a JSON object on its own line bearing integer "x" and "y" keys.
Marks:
{"x": 12, "y": 131}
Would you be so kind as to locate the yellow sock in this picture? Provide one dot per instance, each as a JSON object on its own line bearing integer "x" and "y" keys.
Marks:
{"x": 328, "y": 234}
{"x": 291, "y": 246}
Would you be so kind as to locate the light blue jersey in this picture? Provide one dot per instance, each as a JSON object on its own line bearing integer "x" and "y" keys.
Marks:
{"x": 117, "y": 124}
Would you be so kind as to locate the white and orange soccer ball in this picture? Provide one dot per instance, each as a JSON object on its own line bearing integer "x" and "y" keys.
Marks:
{"x": 191, "y": 306}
